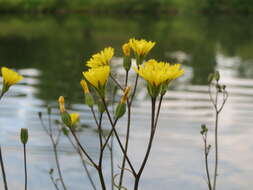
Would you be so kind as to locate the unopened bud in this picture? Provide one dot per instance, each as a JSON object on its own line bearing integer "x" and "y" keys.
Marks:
{"x": 66, "y": 119}
{"x": 89, "y": 100}
{"x": 24, "y": 135}
{"x": 84, "y": 86}
{"x": 61, "y": 104}
{"x": 217, "y": 76}
{"x": 125, "y": 95}
{"x": 40, "y": 114}
{"x": 120, "y": 110}
{"x": 210, "y": 77}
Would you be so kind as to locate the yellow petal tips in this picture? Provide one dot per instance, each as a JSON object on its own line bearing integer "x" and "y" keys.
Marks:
{"x": 98, "y": 77}
{"x": 141, "y": 47}
{"x": 75, "y": 117}
{"x": 101, "y": 59}
{"x": 158, "y": 73}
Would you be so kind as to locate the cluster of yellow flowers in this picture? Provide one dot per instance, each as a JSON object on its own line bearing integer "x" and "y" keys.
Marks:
{"x": 154, "y": 72}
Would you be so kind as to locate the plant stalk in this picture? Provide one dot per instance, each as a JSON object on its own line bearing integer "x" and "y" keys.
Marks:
{"x": 25, "y": 166}
{"x": 3, "y": 170}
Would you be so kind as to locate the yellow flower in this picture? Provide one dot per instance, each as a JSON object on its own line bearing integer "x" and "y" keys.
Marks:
{"x": 85, "y": 86}
{"x": 101, "y": 59}
{"x": 61, "y": 104}
{"x": 126, "y": 48}
{"x": 98, "y": 76}
{"x": 75, "y": 117}
{"x": 10, "y": 77}
{"x": 141, "y": 47}
{"x": 157, "y": 73}
{"x": 125, "y": 95}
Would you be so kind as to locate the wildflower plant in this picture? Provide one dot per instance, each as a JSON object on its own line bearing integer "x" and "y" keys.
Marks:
{"x": 218, "y": 97}
{"x": 10, "y": 78}
{"x": 158, "y": 76}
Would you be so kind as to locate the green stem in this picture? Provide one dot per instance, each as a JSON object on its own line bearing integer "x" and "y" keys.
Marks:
{"x": 3, "y": 170}
{"x": 83, "y": 162}
{"x": 100, "y": 170}
{"x": 58, "y": 167}
{"x": 152, "y": 134}
{"x": 126, "y": 145}
{"x": 25, "y": 166}
{"x": 117, "y": 137}
{"x": 216, "y": 151}
{"x": 206, "y": 163}
{"x": 1, "y": 160}
{"x": 112, "y": 163}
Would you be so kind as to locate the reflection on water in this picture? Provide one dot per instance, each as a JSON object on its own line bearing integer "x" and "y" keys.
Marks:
{"x": 50, "y": 52}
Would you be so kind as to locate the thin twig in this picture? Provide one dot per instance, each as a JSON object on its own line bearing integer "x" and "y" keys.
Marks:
{"x": 53, "y": 181}
{"x": 116, "y": 82}
{"x": 82, "y": 149}
{"x": 83, "y": 162}
{"x": 117, "y": 137}
{"x": 135, "y": 87}
{"x": 54, "y": 142}
{"x": 3, "y": 170}
{"x": 126, "y": 143}
{"x": 206, "y": 162}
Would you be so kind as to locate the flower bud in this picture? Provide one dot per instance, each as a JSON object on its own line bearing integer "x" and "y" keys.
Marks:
{"x": 24, "y": 135}
{"x": 66, "y": 119}
{"x": 65, "y": 131}
{"x": 217, "y": 76}
{"x": 40, "y": 114}
{"x": 101, "y": 107}
{"x": 89, "y": 100}
{"x": 204, "y": 129}
{"x": 127, "y": 63}
{"x": 61, "y": 104}
{"x": 84, "y": 86}
{"x": 210, "y": 78}
{"x": 125, "y": 95}
{"x": 120, "y": 110}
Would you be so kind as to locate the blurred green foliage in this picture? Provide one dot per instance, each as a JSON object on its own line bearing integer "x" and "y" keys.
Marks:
{"x": 58, "y": 46}
{"x": 245, "y": 6}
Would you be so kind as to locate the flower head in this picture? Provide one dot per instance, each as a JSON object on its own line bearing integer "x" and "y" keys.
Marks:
{"x": 156, "y": 73}
{"x": 98, "y": 76}
{"x": 102, "y": 58}
{"x": 126, "y": 48}
{"x": 10, "y": 77}
{"x": 141, "y": 47}
{"x": 75, "y": 117}
{"x": 84, "y": 86}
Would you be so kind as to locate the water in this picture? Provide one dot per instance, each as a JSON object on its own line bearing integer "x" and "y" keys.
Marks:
{"x": 50, "y": 51}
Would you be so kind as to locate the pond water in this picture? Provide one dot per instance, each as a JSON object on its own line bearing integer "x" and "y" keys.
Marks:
{"x": 50, "y": 51}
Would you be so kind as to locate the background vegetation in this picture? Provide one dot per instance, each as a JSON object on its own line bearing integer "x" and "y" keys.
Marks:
{"x": 73, "y": 38}
{"x": 244, "y": 6}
